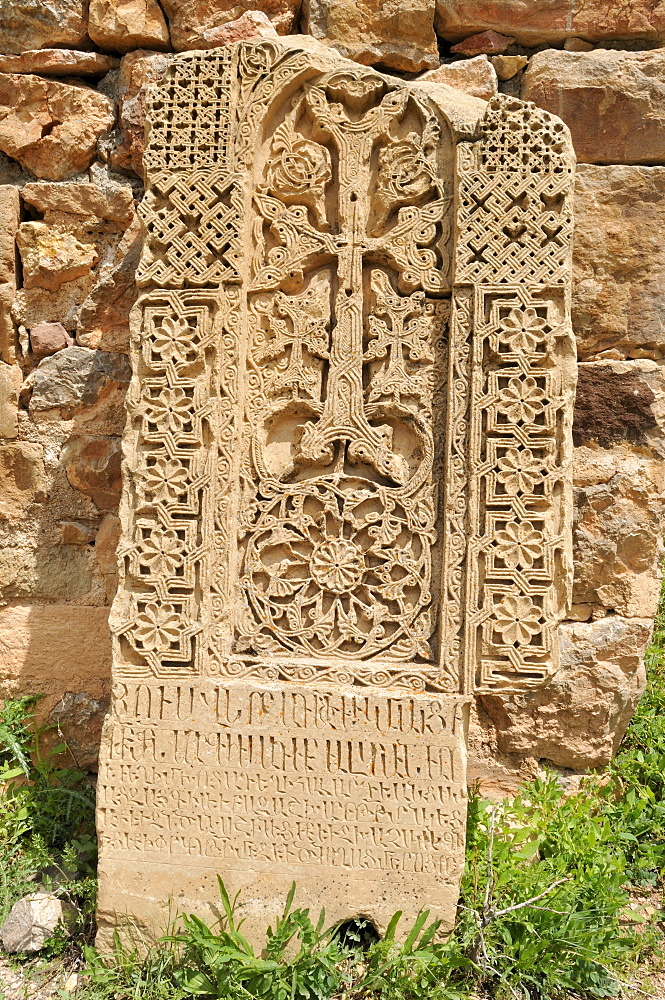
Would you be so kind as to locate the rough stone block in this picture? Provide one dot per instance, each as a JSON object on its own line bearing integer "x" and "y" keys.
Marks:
{"x": 252, "y": 24}
{"x": 103, "y": 319}
{"x": 113, "y": 203}
{"x": 46, "y": 572}
{"x": 75, "y": 377}
{"x": 33, "y": 919}
{"x": 395, "y": 34}
{"x": 189, "y": 22}
{"x": 62, "y": 651}
{"x": 507, "y": 67}
{"x": 50, "y": 127}
{"x": 51, "y": 256}
{"x": 40, "y": 305}
{"x": 22, "y": 480}
{"x": 490, "y": 42}
{"x": 472, "y": 76}
{"x": 9, "y": 221}
{"x": 619, "y": 477}
{"x": 11, "y": 379}
{"x": 33, "y": 24}
{"x": 534, "y": 22}
{"x": 138, "y": 71}
{"x": 578, "y": 719}
{"x": 106, "y": 544}
{"x": 47, "y": 338}
{"x": 612, "y": 101}
{"x": 121, "y": 25}
{"x": 58, "y": 62}
{"x": 619, "y": 262}
{"x": 93, "y": 467}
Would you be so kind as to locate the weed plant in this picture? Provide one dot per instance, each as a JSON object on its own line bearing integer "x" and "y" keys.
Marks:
{"x": 47, "y": 808}
{"x": 545, "y": 908}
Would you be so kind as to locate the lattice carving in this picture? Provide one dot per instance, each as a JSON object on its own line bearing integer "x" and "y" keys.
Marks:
{"x": 515, "y": 384}
{"x": 326, "y": 483}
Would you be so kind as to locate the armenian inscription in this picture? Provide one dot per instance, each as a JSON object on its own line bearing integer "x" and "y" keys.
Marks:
{"x": 347, "y": 496}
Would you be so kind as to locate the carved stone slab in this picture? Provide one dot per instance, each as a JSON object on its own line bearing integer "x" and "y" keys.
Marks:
{"x": 347, "y": 499}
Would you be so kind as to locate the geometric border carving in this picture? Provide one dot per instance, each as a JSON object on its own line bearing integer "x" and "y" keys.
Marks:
{"x": 509, "y": 491}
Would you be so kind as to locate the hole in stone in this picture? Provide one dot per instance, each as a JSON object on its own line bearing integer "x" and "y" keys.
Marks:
{"x": 47, "y": 129}
{"x": 359, "y": 933}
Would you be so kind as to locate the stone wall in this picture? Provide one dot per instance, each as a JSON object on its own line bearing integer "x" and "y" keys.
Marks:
{"x": 71, "y": 145}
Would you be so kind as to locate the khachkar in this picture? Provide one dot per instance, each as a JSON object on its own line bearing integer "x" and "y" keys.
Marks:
{"x": 347, "y": 497}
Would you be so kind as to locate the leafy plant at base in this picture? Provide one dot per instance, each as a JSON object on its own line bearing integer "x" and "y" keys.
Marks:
{"x": 47, "y": 826}
{"x": 220, "y": 962}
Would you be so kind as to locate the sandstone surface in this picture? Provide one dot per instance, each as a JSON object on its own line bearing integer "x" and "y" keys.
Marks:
{"x": 9, "y": 221}
{"x": 619, "y": 262}
{"x": 619, "y": 477}
{"x": 189, "y": 22}
{"x": 473, "y": 76}
{"x": 121, "y": 25}
{"x": 58, "y": 62}
{"x": 10, "y": 384}
{"x": 34, "y": 24}
{"x": 22, "y": 478}
{"x": 62, "y": 651}
{"x": 50, "y": 127}
{"x": 51, "y": 257}
{"x": 394, "y": 34}
{"x": 534, "y": 22}
{"x": 618, "y": 532}
{"x": 578, "y": 719}
{"x": 612, "y": 101}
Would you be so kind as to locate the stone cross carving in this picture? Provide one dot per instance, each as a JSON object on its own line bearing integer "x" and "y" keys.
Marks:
{"x": 347, "y": 498}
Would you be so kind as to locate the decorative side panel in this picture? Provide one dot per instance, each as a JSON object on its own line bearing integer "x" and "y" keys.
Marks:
{"x": 513, "y": 272}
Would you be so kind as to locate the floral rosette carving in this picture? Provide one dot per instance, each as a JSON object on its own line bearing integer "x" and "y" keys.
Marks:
{"x": 517, "y": 619}
{"x": 404, "y": 172}
{"x": 519, "y": 544}
{"x": 522, "y": 330}
{"x": 522, "y": 400}
{"x": 299, "y": 171}
{"x": 332, "y": 570}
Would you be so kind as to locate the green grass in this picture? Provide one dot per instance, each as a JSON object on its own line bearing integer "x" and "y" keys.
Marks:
{"x": 544, "y": 907}
{"x": 47, "y": 819}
